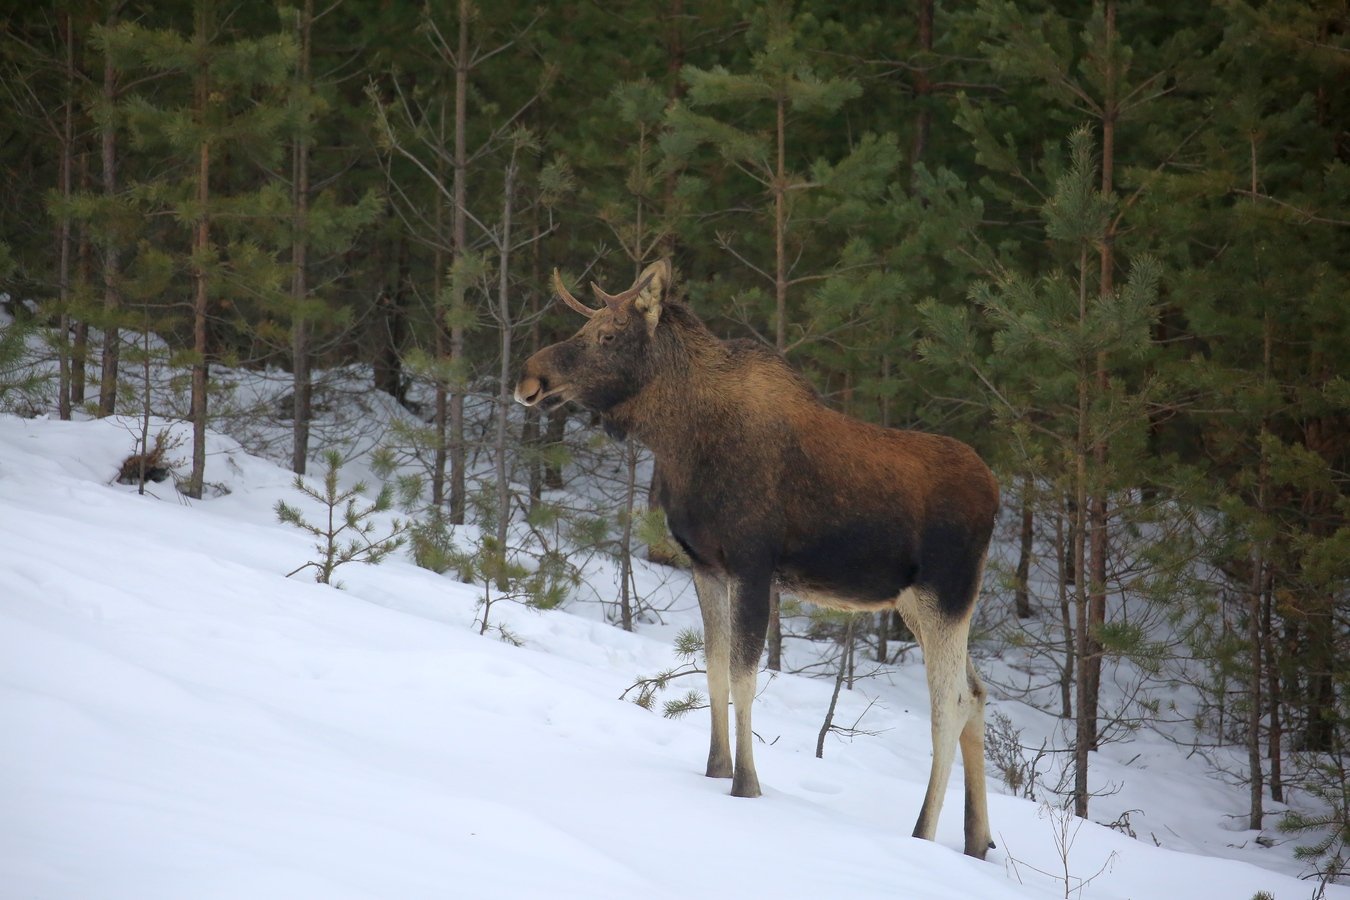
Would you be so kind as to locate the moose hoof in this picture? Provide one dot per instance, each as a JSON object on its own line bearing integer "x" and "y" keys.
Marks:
{"x": 744, "y": 785}
{"x": 979, "y": 849}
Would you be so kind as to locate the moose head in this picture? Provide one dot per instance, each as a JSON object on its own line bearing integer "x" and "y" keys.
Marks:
{"x": 605, "y": 363}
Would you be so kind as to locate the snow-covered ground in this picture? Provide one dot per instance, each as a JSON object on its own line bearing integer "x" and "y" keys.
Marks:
{"x": 180, "y": 720}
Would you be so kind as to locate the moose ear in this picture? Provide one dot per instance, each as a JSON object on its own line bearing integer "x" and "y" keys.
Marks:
{"x": 649, "y": 300}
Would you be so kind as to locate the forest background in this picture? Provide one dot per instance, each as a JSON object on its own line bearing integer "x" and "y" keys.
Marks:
{"x": 1106, "y": 244}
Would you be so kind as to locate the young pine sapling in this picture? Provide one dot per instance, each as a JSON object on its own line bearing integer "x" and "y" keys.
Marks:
{"x": 347, "y": 535}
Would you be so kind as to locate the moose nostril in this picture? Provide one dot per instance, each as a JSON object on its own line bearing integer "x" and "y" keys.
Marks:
{"x": 530, "y": 390}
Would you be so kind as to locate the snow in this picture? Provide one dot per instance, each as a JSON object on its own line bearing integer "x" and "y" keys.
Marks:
{"x": 180, "y": 720}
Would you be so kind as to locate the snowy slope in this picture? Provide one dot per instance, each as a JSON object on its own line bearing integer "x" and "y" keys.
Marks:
{"x": 181, "y": 721}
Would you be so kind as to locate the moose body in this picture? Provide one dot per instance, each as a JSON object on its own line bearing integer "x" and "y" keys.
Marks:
{"x": 763, "y": 484}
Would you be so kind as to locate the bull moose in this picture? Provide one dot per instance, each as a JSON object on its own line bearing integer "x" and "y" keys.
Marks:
{"x": 762, "y": 483}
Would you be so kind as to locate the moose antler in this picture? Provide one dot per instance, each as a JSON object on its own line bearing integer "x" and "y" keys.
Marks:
{"x": 614, "y": 301}
{"x": 567, "y": 297}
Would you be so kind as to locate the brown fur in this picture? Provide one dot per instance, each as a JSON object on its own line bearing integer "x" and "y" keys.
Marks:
{"x": 761, "y": 482}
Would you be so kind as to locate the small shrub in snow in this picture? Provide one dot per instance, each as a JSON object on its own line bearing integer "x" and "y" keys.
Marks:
{"x": 503, "y": 577}
{"x": 688, "y": 647}
{"x": 22, "y": 383}
{"x": 433, "y": 547}
{"x": 152, "y": 464}
{"x": 1008, "y": 757}
{"x": 347, "y": 534}
{"x": 1064, "y": 828}
{"x": 1328, "y": 780}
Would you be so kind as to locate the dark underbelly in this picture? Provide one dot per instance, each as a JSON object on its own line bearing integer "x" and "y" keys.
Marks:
{"x": 858, "y": 565}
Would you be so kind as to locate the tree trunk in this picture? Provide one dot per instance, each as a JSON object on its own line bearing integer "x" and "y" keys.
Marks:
{"x": 1085, "y": 731}
{"x": 1022, "y": 590}
{"x": 440, "y": 339}
{"x": 301, "y": 386}
{"x": 1096, "y": 573}
{"x": 386, "y": 369}
{"x": 922, "y": 88}
{"x": 845, "y": 669}
{"x": 146, "y": 407}
{"x": 504, "y": 381}
{"x": 1066, "y": 680}
{"x": 459, "y": 238}
{"x": 1275, "y": 734}
{"x": 63, "y": 231}
{"x": 531, "y": 434}
{"x": 1255, "y": 813}
{"x": 780, "y": 282}
{"x": 1320, "y": 736}
{"x": 201, "y": 243}
{"x": 107, "y": 394}
{"x": 393, "y": 327}
{"x": 80, "y": 348}
{"x": 626, "y": 545}
{"x": 885, "y": 411}
{"x": 675, "y": 59}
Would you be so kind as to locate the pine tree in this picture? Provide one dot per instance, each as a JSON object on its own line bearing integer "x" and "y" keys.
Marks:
{"x": 1128, "y": 73}
{"x": 20, "y": 381}
{"x": 1259, "y": 317}
{"x": 437, "y": 133}
{"x": 45, "y": 87}
{"x": 1048, "y": 336}
{"x": 230, "y": 103}
{"x": 111, "y": 210}
{"x": 322, "y": 227}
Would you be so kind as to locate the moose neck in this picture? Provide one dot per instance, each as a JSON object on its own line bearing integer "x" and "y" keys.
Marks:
{"x": 666, "y": 414}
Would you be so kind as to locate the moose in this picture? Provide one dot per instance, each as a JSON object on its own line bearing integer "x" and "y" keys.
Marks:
{"x": 763, "y": 484}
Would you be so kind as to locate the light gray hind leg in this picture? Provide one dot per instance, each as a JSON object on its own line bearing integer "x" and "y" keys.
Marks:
{"x": 978, "y": 838}
{"x": 714, "y": 602}
{"x": 944, "y": 649}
